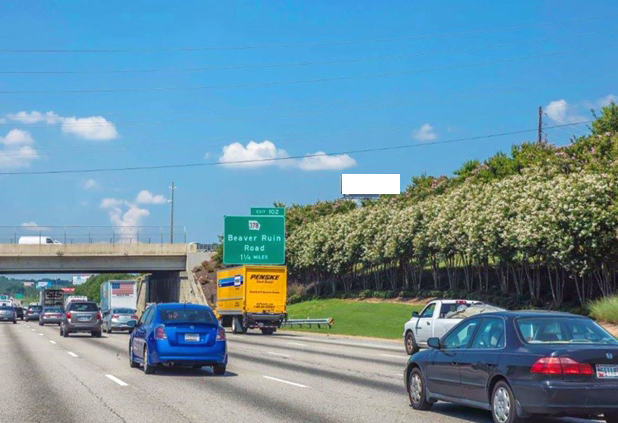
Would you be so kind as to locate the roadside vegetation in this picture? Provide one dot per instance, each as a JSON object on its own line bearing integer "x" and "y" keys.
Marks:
{"x": 537, "y": 225}
{"x": 92, "y": 287}
{"x": 355, "y": 318}
{"x": 605, "y": 310}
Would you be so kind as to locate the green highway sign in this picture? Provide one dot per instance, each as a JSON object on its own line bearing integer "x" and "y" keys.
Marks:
{"x": 19, "y": 296}
{"x": 267, "y": 211}
{"x": 253, "y": 240}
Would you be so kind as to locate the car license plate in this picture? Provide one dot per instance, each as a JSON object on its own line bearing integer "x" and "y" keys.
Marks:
{"x": 607, "y": 371}
{"x": 192, "y": 337}
{"x": 84, "y": 318}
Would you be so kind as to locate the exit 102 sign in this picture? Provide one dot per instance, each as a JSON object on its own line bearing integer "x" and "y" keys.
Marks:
{"x": 267, "y": 211}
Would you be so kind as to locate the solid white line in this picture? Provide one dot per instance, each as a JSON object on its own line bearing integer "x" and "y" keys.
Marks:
{"x": 353, "y": 344}
{"x": 394, "y": 356}
{"x": 299, "y": 344}
{"x": 285, "y": 381}
{"x": 281, "y": 355}
{"x": 118, "y": 381}
{"x": 72, "y": 354}
{"x": 40, "y": 334}
{"x": 53, "y": 342}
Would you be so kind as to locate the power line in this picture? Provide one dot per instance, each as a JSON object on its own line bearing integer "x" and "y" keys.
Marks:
{"x": 298, "y": 64}
{"x": 309, "y": 44}
{"x": 277, "y": 159}
{"x": 300, "y": 81}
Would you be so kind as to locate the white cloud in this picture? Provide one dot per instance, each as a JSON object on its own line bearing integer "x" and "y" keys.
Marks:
{"x": 146, "y": 197}
{"x": 425, "y": 133}
{"x": 20, "y": 152}
{"x": 562, "y": 112}
{"x": 256, "y": 154}
{"x": 605, "y": 101}
{"x": 322, "y": 161}
{"x": 33, "y": 226}
{"x": 126, "y": 216}
{"x": 90, "y": 184}
{"x": 95, "y": 128}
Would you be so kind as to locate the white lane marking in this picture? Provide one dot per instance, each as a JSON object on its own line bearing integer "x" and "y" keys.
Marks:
{"x": 40, "y": 334}
{"x": 297, "y": 343}
{"x": 394, "y": 356}
{"x": 285, "y": 381}
{"x": 53, "y": 342}
{"x": 352, "y": 344}
{"x": 72, "y": 354}
{"x": 278, "y": 354}
{"x": 33, "y": 330}
{"x": 115, "y": 379}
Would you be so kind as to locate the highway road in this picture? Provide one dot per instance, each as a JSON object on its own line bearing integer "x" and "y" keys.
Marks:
{"x": 279, "y": 378}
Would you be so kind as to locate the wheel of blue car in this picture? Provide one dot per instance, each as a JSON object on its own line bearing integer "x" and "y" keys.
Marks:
{"x": 219, "y": 369}
{"x": 132, "y": 362}
{"x": 148, "y": 368}
{"x": 417, "y": 391}
{"x": 503, "y": 408}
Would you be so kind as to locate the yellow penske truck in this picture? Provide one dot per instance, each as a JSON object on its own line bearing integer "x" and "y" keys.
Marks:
{"x": 252, "y": 297}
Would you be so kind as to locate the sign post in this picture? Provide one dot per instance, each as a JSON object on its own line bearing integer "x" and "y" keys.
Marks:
{"x": 254, "y": 240}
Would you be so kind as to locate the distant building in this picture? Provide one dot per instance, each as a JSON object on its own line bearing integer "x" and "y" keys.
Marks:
{"x": 28, "y": 284}
{"x": 80, "y": 279}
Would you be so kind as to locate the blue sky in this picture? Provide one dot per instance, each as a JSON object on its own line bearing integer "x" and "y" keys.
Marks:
{"x": 492, "y": 85}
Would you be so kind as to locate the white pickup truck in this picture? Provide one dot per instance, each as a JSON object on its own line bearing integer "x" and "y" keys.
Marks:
{"x": 434, "y": 321}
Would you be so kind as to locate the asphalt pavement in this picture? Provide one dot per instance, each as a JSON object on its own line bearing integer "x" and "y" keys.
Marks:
{"x": 280, "y": 378}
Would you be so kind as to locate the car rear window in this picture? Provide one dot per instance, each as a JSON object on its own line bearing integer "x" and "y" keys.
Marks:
{"x": 6, "y": 308}
{"x": 187, "y": 315}
{"x": 52, "y": 310}
{"x": 35, "y": 308}
{"x": 123, "y": 311}
{"x": 83, "y": 307}
{"x": 562, "y": 330}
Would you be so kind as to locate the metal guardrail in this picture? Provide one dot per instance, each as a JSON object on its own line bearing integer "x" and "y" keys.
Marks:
{"x": 95, "y": 234}
{"x": 310, "y": 322}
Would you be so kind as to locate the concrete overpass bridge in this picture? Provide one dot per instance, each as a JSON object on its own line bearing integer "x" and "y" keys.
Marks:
{"x": 168, "y": 267}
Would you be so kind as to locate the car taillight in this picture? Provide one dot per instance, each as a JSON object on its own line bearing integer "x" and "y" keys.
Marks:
{"x": 68, "y": 314}
{"x": 220, "y": 334}
{"x": 560, "y": 366}
{"x": 134, "y": 316}
{"x": 115, "y": 316}
{"x": 160, "y": 333}
{"x": 99, "y": 316}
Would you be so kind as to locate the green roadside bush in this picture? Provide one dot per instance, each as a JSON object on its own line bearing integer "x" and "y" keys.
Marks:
{"x": 605, "y": 310}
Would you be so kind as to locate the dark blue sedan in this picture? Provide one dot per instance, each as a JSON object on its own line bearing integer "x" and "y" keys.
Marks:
{"x": 519, "y": 364}
{"x": 178, "y": 334}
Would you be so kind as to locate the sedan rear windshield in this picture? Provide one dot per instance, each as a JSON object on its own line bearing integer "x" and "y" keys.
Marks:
{"x": 52, "y": 310}
{"x": 6, "y": 308}
{"x": 563, "y": 330}
{"x": 83, "y": 307}
{"x": 123, "y": 311}
{"x": 187, "y": 315}
{"x": 35, "y": 308}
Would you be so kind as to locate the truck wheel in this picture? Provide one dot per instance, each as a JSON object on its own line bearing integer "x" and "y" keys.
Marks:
{"x": 267, "y": 331}
{"x": 237, "y": 326}
{"x": 411, "y": 346}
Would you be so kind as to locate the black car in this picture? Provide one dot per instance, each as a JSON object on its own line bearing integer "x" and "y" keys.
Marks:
{"x": 20, "y": 312}
{"x": 519, "y": 364}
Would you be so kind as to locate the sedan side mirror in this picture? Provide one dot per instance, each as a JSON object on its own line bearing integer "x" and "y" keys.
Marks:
{"x": 415, "y": 314}
{"x": 434, "y": 343}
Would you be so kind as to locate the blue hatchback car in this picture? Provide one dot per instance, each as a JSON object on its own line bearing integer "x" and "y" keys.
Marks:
{"x": 178, "y": 334}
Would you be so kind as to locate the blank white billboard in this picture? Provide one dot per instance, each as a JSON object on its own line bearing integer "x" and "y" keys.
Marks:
{"x": 370, "y": 184}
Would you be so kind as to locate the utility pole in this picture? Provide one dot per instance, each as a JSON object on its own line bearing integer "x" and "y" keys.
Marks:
{"x": 540, "y": 130}
{"x": 173, "y": 188}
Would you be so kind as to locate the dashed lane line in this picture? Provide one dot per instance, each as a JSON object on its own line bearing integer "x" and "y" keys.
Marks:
{"x": 285, "y": 381}
{"x": 72, "y": 354}
{"x": 115, "y": 379}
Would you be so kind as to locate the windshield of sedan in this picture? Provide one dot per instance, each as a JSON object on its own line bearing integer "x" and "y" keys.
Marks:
{"x": 563, "y": 330}
{"x": 187, "y": 315}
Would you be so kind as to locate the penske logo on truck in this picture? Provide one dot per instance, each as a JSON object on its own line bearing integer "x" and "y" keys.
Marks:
{"x": 263, "y": 277}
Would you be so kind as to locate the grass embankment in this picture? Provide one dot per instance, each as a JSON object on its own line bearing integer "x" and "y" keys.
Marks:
{"x": 605, "y": 310}
{"x": 356, "y": 318}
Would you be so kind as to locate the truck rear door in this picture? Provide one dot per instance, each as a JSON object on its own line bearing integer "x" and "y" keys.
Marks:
{"x": 266, "y": 289}
{"x": 230, "y": 291}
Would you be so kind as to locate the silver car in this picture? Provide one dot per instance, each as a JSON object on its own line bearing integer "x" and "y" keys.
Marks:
{"x": 118, "y": 319}
{"x": 81, "y": 317}
{"x": 50, "y": 315}
{"x": 8, "y": 314}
